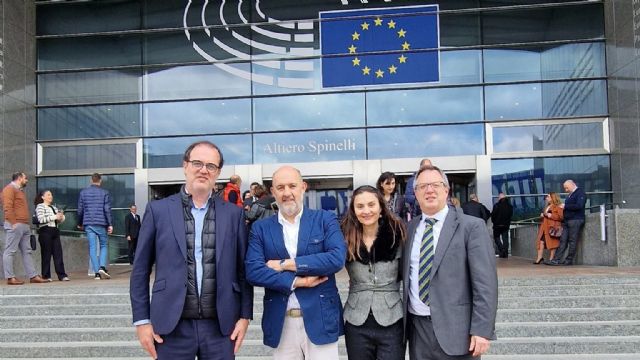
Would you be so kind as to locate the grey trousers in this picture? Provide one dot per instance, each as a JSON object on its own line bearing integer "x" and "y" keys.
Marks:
{"x": 423, "y": 344}
{"x": 17, "y": 238}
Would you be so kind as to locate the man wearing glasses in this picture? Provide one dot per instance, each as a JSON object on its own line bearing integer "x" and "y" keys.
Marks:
{"x": 201, "y": 302}
{"x": 451, "y": 286}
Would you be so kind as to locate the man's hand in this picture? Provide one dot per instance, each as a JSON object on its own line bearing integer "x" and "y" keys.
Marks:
{"x": 128, "y": 238}
{"x": 238, "y": 333}
{"x": 109, "y": 229}
{"x": 309, "y": 281}
{"x": 275, "y": 265}
{"x": 80, "y": 227}
{"x": 146, "y": 336}
{"x": 478, "y": 345}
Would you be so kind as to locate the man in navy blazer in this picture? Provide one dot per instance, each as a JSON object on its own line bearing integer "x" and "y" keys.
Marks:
{"x": 294, "y": 255}
{"x": 201, "y": 303}
{"x": 572, "y": 223}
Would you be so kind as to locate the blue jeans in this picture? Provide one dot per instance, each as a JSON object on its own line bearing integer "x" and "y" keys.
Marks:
{"x": 95, "y": 232}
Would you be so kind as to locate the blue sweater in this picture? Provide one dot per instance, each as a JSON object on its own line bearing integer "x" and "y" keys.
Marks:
{"x": 94, "y": 207}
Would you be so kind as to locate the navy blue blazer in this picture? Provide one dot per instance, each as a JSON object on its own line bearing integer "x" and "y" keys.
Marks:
{"x": 162, "y": 241}
{"x": 574, "y": 205}
{"x": 321, "y": 252}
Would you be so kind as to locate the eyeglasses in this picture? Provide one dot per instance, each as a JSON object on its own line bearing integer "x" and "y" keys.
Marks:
{"x": 211, "y": 167}
{"x": 436, "y": 185}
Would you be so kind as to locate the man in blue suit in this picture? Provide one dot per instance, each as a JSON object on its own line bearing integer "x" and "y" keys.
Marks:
{"x": 572, "y": 223}
{"x": 201, "y": 303}
{"x": 294, "y": 255}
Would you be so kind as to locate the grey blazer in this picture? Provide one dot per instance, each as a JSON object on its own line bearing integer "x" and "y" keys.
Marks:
{"x": 377, "y": 290}
{"x": 464, "y": 283}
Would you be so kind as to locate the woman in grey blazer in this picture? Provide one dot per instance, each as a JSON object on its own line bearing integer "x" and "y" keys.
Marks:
{"x": 373, "y": 313}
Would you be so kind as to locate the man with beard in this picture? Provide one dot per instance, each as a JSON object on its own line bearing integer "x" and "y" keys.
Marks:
{"x": 295, "y": 256}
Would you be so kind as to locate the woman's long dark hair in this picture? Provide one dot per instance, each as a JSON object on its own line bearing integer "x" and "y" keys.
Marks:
{"x": 39, "y": 195}
{"x": 352, "y": 228}
{"x": 387, "y": 175}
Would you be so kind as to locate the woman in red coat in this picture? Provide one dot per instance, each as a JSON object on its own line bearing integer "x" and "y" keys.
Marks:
{"x": 551, "y": 217}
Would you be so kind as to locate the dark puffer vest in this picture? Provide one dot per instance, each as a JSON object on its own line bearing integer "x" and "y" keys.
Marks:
{"x": 200, "y": 306}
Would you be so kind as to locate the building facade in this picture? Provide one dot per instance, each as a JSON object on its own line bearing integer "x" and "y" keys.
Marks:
{"x": 528, "y": 93}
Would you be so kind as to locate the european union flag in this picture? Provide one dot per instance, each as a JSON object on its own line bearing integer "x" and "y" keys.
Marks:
{"x": 380, "y": 46}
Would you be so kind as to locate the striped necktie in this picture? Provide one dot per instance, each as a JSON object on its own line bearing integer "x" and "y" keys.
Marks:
{"x": 426, "y": 260}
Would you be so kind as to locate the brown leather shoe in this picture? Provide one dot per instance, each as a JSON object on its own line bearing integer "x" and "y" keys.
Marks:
{"x": 14, "y": 281}
{"x": 37, "y": 280}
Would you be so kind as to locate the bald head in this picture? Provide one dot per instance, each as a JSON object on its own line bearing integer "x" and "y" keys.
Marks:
{"x": 501, "y": 196}
{"x": 288, "y": 189}
{"x": 235, "y": 179}
{"x": 569, "y": 186}
{"x": 425, "y": 162}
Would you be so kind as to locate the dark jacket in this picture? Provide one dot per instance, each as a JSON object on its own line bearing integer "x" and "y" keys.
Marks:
{"x": 502, "y": 213}
{"x": 410, "y": 198}
{"x": 476, "y": 209}
{"x": 574, "y": 205}
{"x": 261, "y": 209}
{"x": 94, "y": 207}
{"x": 131, "y": 226}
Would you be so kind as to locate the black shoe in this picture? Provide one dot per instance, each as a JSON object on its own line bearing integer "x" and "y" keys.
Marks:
{"x": 539, "y": 261}
{"x": 551, "y": 262}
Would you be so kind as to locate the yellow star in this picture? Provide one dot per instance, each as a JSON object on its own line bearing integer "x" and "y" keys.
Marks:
{"x": 366, "y": 70}
{"x": 378, "y": 21}
{"x": 352, "y": 49}
{"x": 356, "y": 62}
{"x": 392, "y": 24}
{"x": 365, "y": 25}
{"x": 379, "y": 73}
{"x": 403, "y": 59}
{"x": 401, "y": 33}
{"x": 405, "y": 46}
{"x": 392, "y": 69}
{"x": 355, "y": 36}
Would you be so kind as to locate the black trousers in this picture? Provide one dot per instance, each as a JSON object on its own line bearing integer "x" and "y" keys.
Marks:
{"x": 501, "y": 238}
{"x": 50, "y": 246}
{"x": 196, "y": 338}
{"x": 569, "y": 240}
{"x": 372, "y": 341}
{"x": 132, "y": 249}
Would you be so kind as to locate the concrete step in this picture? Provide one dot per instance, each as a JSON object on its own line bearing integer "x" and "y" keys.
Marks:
{"x": 564, "y": 290}
{"x": 44, "y": 310}
{"x": 570, "y": 280}
{"x": 568, "y": 329}
{"x": 568, "y": 315}
{"x": 569, "y": 302}
{"x": 485, "y": 357}
{"x": 68, "y": 299}
{"x": 567, "y": 345}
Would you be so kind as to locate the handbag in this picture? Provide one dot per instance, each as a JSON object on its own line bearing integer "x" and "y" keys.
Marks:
{"x": 32, "y": 240}
{"x": 555, "y": 231}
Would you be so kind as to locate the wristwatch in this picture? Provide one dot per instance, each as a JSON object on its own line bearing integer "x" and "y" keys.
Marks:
{"x": 282, "y": 264}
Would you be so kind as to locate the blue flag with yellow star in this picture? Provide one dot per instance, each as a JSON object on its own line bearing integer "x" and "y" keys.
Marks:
{"x": 380, "y": 46}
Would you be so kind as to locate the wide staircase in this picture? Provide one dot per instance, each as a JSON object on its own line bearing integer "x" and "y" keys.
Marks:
{"x": 579, "y": 317}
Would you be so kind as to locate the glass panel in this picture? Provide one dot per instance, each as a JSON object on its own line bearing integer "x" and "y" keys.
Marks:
{"x": 80, "y": 122}
{"x": 101, "y": 156}
{"x": 197, "y": 81}
{"x": 88, "y": 87}
{"x": 558, "y": 23}
{"x": 309, "y": 146}
{"x": 88, "y": 52}
{"x": 459, "y": 29}
{"x": 548, "y": 137}
{"x": 170, "y": 13}
{"x": 424, "y": 106}
{"x": 547, "y": 63}
{"x": 167, "y": 153}
{"x": 66, "y": 190}
{"x": 309, "y": 111}
{"x": 87, "y": 17}
{"x": 197, "y": 117}
{"x": 425, "y": 141}
{"x": 492, "y": 3}
{"x": 547, "y": 100}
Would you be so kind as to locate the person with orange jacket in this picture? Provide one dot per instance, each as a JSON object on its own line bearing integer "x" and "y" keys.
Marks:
{"x": 232, "y": 191}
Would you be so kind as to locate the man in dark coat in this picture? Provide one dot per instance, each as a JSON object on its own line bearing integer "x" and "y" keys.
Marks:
{"x": 572, "y": 223}
{"x": 475, "y": 208}
{"x": 501, "y": 219}
{"x": 131, "y": 230}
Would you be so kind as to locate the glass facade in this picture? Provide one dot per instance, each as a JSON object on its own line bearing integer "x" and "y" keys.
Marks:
{"x": 249, "y": 77}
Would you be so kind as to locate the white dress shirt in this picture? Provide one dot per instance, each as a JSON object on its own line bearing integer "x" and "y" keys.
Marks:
{"x": 290, "y": 236}
{"x": 416, "y": 306}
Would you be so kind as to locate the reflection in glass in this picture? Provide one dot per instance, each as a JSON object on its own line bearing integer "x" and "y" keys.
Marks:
{"x": 197, "y": 117}
{"x": 546, "y": 100}
{"x": 548, "y": 137}
{"x": 196, "y": 81}
{"x": 79, "y": 122}
{"x": 544, "y": 62}
{"x": 403, "y": 107}
{"x": 66, "y": 189}
{"x": 87, "y": 17}
{"x": 89, "y": 52}
{"x": 424, "y": 141}
{"x": 88, "y": 87}
{"x": 168, "y": 152}
{"x": 102, "y": 156}
{"x": 309, "y": 111}
{"x": 555, "y": 23}
{"x": 309, "y": 146}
